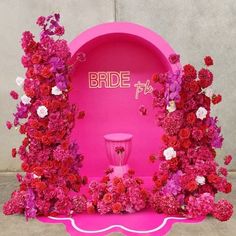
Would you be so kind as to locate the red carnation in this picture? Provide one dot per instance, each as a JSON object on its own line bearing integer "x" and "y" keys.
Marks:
{"x": 216, "y": 99}
{"x": 14, "y": 94}
{"x": 208, "y": 61}
{"x": 184, "y": 133}
{"x": 223, "y": 210}
{"x": 174, "y": 58}
{"x": 190, "y": 72}
{"x": 13, "y": 152}
{"x": 227, "y": 159}
{"x": 205, "y": 77}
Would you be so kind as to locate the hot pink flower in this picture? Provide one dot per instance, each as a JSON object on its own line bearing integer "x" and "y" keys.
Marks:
{"x": 223, "y": 210}
{"x": 14, "y": 94}
{"x": 8, "y": 124}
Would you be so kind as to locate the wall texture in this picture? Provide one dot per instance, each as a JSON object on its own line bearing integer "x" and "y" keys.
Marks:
{"x": 193, "y": 28}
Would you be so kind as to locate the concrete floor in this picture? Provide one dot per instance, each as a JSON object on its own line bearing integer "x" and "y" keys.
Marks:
{"x": 16, "y": 225}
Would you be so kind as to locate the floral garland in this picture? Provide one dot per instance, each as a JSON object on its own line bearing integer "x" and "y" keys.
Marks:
{"x": 189, "y": 177}
{"x": 51, "y": 162}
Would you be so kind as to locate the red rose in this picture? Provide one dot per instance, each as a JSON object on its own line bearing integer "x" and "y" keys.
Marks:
{"x": 174, "y": 58}
{"x": 158, "y": 183}
{"x": 191, "y": 118}
{"x": 208, "y": 61}
{"x": 184, "y": 133}
{"x": 120, "y": 188}
{"x": 91, "y": 209}
{"x": 186, "y": 143}
{"x": 228, "y": 188}
{"x": 36, "y": 58}
{"x": 38, "y": 170}
{"x": 44, "y": 89}
{"x": 155, "y": 78}
{"x": 213, "y": 178}
{"x": 173, "y": 164}
{"x": 116, "y": 207}
{"x": 30, "y": 73}
{"x": 46, "y": 72}
{"x": 205, "y": 77}
{"x": 25, "y": 167}
{"x": 72, "y": 178}
{"x": 13, "y": 152}
{"x": 190, "y": 72}
{"x": 40, "y": 185}
{"x": 191, "y": 186}
{"x": 216, "y": 99}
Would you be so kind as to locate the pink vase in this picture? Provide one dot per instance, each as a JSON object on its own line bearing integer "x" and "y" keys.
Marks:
{"x": 118, "y": 147}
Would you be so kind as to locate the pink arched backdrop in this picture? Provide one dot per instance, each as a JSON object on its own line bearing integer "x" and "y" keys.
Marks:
{"x": 117, "y": 47}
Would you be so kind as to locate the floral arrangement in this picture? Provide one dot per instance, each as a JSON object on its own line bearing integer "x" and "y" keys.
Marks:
{"x": 189, "y": 177}
{"x": 117, "y": 194}
{"x": 44, "y": 115}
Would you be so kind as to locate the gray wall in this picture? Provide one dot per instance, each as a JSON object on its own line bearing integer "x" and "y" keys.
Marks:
{"x": 193, "y": 28}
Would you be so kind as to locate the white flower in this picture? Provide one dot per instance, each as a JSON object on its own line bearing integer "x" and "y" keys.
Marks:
{"x": 209, "y": 92}
{"x": 200, "y": 180}
{"x": 201, "y": 113}
{"x": 56, "y": 91}
{"x": 169, "y": 153}
{"x": 36, "y": 176}
{"x": 20, "y": 81}
{"x": 42, "y": 111}
{"x": 25, "y": 99}
{"x": 171, "y": 107}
